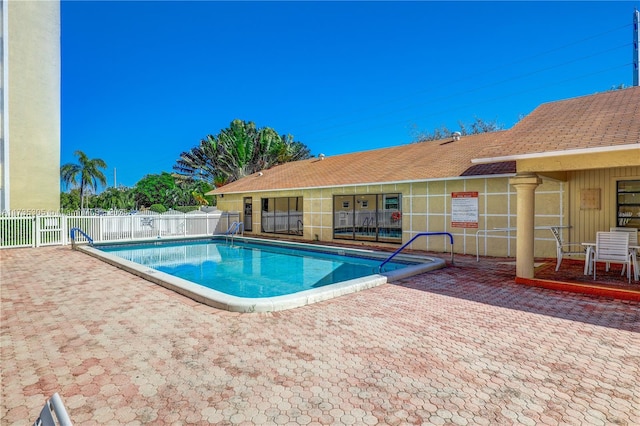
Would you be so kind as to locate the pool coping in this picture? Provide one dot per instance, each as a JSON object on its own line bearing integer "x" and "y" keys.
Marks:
{"x": 232, "y": 303}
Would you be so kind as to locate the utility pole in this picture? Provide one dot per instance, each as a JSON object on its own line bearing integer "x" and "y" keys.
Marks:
{"x": 636, "y": 42}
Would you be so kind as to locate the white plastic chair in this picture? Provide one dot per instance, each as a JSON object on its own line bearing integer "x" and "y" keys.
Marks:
{"x": 565, "y": 249}
{"x": 612, "y": 247}
{"x": 53, "y": 413}
{"x": 633, "y": 237}
{"x": 633, "y": 234}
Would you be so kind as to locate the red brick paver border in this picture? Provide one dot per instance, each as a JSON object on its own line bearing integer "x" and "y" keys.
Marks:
{"x": 463, "y": 345}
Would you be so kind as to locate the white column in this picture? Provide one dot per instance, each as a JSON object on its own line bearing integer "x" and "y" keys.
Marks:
{"x": 525, "y": 184}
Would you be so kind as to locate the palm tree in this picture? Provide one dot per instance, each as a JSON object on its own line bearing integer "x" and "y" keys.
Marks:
{"x": 87, "y": 170}
{"x": 239, "y": 151}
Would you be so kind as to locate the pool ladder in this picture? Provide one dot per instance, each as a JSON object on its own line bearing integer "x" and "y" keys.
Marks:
{"x": 234, "y": 229}
{"x": 421, "y": 234}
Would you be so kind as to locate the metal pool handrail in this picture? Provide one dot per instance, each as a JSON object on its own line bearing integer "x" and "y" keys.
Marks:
{"x": 421, "y": 234}
{"x": 233, "y": 230}
{"x": 73, "y": 236}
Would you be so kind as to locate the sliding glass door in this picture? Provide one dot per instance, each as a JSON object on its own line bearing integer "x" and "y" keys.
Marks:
{"x": 368, "y": 217}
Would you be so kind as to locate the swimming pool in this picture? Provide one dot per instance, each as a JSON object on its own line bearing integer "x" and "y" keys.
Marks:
{"x": 258, "y": 275}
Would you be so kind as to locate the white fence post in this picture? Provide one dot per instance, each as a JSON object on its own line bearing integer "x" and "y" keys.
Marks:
{"x": 65, "y": 230}
{"x": 36, "y": 231}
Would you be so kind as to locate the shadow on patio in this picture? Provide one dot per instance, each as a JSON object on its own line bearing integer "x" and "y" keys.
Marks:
{"x": 492, "y": 281}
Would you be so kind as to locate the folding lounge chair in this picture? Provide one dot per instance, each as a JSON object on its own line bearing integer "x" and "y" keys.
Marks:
{"x": 565, "y": 249}
{"x": 53, "y": 413}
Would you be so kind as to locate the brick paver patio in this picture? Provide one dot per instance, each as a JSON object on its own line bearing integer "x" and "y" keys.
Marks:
{"x": 463, "y": 345}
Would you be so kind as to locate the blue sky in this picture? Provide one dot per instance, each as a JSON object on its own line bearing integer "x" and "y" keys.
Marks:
{"x": 144, "y": 81}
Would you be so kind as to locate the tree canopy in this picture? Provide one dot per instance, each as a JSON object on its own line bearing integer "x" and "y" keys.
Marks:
{"x": 155, "y": 189}
{"x": 237, "y": 151}
{"x": 477, "y": 126}
{"x": 165, "y": 189}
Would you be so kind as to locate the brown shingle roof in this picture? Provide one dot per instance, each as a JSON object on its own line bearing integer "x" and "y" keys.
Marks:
{"x": 596, "y": 121}
{"x": 424, "y": 160}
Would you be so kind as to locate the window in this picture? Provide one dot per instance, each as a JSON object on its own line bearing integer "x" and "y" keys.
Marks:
{"x": 369, "y": 217}
{"x": 391, "y": 202}
{"x": 628, "y": 203}
{"x": 282, "y": 215}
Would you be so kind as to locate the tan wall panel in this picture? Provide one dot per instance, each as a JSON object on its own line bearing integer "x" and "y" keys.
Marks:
{"x": 513, "y": 204}
{"x": 436, "y": 223}
{"x": 497, "y": 222}
{"x": 547, "y": 204}
{"x": 419, "y": 223}
{"x": 315, "y": 205}
{"x": 231, "y": 203}
{"x": 327, "y": 204}
{"x": 435, "y": 188}
{"x": 498, "y": 185}
{"x": 418, "y": 244}
{"x": 455, "y": 186}
{"x": 477, "y": 185}
{"x": 495, "y": 203}
{"x": 437, "y": 204}
{"x": 404, "y": 188}
{"x": 419, "y": 204}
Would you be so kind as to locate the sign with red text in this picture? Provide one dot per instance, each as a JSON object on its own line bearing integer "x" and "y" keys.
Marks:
{"x": 464, "y": 209}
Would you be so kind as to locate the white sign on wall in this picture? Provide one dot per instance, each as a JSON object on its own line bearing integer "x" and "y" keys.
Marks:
{"x": 464, "y": 209}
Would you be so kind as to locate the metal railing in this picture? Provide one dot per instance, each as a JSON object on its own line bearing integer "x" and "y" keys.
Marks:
{"x": 81, "y": 232}
{"x": 234, "y": 229}
{"x": 421, "y": 234}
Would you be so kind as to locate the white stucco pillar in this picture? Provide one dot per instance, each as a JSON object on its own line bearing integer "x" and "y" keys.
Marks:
{"x": 525, "y": 184}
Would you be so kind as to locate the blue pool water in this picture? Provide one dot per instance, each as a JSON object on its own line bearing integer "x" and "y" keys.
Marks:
{"x": 247, "y": 269}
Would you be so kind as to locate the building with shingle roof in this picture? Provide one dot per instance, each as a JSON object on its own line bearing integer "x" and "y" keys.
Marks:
{"x": 406, "y": 163}
{"x": 601, "y": 121}
{"x": 572, "y": 164}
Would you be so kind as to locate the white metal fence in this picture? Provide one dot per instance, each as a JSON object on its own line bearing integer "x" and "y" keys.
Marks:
{"x": 22, "y": 229}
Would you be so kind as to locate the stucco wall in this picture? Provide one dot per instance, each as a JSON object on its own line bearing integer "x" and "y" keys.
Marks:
{"x": 33, "y": 68}
{"x": 426, "y": 206}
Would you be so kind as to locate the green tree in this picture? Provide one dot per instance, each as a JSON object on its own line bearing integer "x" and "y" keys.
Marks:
{"x": 478, "y": 125}
{"x": 238, "y": 151}
{"x": 116, "y": 198}
{"x": 196, "y": 190}
{"x": 85, "y": 175}
{"x": 190, "y": 192}
{"x": 155, "y": 189}
{"x": 70, "y": 201}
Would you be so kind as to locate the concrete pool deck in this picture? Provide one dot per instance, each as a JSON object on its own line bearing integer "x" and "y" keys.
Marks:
{"x": 460, "y": 345}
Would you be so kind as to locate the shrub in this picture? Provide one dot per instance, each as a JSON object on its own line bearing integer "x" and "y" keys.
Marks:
{"x": 186, "y": 209}
{"x": 158, "y": 208}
